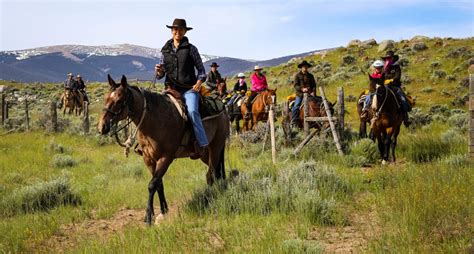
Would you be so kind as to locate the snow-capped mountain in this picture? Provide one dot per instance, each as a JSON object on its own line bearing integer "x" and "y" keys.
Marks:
{"x": 52, "y": 63}
{"x": 72, "y": 51}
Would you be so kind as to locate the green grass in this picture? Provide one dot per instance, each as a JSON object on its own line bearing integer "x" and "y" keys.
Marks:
{"x": 422, "y": 204}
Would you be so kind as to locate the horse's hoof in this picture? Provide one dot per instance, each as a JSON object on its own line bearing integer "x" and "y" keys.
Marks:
{"x": 384, "y": 162}
{"x": 159, "y": 218}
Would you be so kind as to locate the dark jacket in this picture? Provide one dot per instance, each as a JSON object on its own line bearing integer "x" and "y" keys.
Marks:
{"x": 240, "y": 89}
{"x": 179, "y": 66}
{"x": 304, "y": 81}
{"x": 70, "y": 84}
{"x": 394, "y": 72}
{"x": 213, "y": 79}
{"x": 80, "y": 84}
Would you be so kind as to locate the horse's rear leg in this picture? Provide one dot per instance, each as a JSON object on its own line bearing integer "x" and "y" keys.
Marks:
{"x": 394, "y": 143}
{"x": 363, "y": 129}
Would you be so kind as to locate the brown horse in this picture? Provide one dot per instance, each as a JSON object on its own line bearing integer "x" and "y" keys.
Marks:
{"x": 79, "y": 99}
{"x": 259, "y": 109}
{"x": 316, "y": 109}
{"x": 363, "y": 122}
{"x": 162, "y": 134}
{"x": 68, "y": 101}
{"x": 387, "y": 118}
{"x": 222, "y": 88}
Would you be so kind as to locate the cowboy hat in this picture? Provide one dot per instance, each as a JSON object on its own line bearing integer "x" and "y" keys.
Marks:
{"x": 69, "y": 74}
{"x": 78, "y": 76}
{"x": 391, "y": 54}
{"x": 241, "y": 75}
{"x": 257, "y": 67}
{"x": 304, "y": 63}
{"x": 214, "y": 64}
{"x": 179, "y": 23}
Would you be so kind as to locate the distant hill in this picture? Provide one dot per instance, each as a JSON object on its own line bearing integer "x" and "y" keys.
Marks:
{"x": 52, "y": 63}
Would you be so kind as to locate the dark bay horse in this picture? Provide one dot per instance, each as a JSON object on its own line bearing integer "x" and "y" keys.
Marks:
{"x": 161, "y": 134}
{"x": 259, "y": 109}
{"x": 387, "y": 118}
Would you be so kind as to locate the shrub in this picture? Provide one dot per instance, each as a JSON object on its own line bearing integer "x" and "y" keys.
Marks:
{"x": 348, "y": 60}
{"x": 366, "y": 149}
{"x": 427, "y": 89}
{"x": 41, "y": 196}
{"x": 459, "y": 120}
{"x": 457, "y": 160}
{"x": 63, "y": 161}
{"x": 301, "y": 246}
{"x": 419, "y": 118}
{"x": 306, "y": 189}
{"x": 435, "y": 64}
{"x": 132, "y": 170}
{"x": 438, "y": 74}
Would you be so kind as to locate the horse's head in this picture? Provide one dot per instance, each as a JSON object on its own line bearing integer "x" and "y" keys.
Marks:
{"x": 116, "y": 106}
{"x": 270, "y": 96}
{"x": 222, "y": 87}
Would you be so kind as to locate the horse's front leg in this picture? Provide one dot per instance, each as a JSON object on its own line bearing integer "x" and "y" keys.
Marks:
{"x": 161, "y": 168}
{"x": 394, "y": 142}
{"x": 387, "y": 143}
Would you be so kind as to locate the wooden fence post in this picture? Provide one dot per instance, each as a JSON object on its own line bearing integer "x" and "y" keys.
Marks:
{"x": 27, "y": 117}
{"x": 331, "y": 123}
{"x": 54, "y": 116}
{"x": 86, "y": 117}
{"x": 3, "y": 109}
{"x": 306, "y": 112}
{"x": 340, "y": 106}
{"x": 271, "y": 118}
{"x": 471, "y": 109}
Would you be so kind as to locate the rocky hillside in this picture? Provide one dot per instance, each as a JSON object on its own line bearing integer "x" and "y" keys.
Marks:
{"x": 435, "y": 70}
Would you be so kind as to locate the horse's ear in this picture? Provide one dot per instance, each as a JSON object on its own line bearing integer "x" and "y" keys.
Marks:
{"x": 275, "y": 90}
{"x": 123, "y": 81}
{"x": 111, "y": 81}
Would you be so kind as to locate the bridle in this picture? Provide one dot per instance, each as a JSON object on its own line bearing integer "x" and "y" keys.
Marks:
{"x": 127, "y": 104}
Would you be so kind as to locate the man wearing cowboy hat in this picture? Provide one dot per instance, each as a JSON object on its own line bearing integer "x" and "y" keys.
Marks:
{"x": 213, "y": 77}
{"x": 179, "y": 61}
{"x": 259, "y": 84}
{"x": 69, "y": 84}
{"x": 240, "y": 88}
{"x": 393, "y": 74}
{"x": 304, "y": 83}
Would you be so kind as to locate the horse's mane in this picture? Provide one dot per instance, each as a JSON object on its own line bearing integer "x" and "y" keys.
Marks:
{"x": 152, "y": 98}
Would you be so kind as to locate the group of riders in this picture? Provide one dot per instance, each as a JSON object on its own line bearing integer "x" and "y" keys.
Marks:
{"x": 180, "y": 60}
{"x": 77, "y": 88}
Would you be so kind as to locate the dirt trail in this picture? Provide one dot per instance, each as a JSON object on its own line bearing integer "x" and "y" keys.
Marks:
{"x": 70, "y": 235}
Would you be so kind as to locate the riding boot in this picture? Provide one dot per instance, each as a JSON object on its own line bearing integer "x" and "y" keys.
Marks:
{"x": 249, "y": 111}
{"x": 406, "y": 119}
{"x": 198, "y": 151}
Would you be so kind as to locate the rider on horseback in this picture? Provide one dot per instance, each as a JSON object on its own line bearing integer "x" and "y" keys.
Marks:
{"x": 378, "y": 71}
{"x": 240, "y": 88}
{"x": 179, "y": 60}
{"x": 82, "y": 87}
{"x": 259, "y": 84}
{"x": 213, "y": 78}
{"x": 69, "y": 85}
{"x": 393, "y": 74}
{"x": 304, "y": 83}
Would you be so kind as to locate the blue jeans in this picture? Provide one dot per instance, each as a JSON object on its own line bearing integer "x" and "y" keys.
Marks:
{"x": 296, "y": 109}
{"x": 191, "y": 98}
{"x": 368, "y": 101}
{"x": 405, "y": 105}
{"x": 232, "y": 99}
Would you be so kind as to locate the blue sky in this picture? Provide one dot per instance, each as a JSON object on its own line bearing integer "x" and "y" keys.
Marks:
{"x": 245, "y": 29}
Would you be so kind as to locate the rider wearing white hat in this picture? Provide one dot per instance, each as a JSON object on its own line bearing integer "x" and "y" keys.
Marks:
{"x": 240, "y": 88}
{"x": 259, "y": 84}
